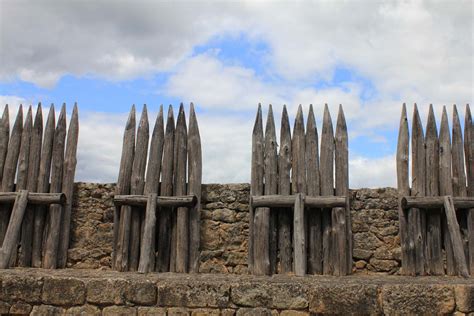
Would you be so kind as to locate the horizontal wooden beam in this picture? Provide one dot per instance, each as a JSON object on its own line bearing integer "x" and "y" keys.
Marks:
{"x": 431, "y": 202}
{"x": 289, "y": 201}
{"x": 170, "y": 201}
{"x": 35, "y": 198}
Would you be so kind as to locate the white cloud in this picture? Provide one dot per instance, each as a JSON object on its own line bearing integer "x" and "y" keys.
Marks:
{"x": 372, "y": 172}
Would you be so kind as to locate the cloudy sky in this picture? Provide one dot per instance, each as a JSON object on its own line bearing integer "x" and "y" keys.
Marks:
{"x": 370, "y": 56}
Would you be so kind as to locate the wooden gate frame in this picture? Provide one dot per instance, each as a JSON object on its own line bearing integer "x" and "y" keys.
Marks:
{"x": 303, "y": 151}
{"x": 412, "y": 209}
{"x": 133, "y": 191}
{"x": 58, "y": 160}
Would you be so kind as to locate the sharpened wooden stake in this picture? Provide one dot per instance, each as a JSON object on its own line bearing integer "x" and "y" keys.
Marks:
{"x": 147, "y": 244}
{"x": 469, "y": 157}
{"x": 299, "y": 236}
{"x": 4, "y": 138}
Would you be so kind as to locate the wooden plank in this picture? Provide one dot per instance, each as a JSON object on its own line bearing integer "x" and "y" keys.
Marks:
{"x": 256, "y": 182}
{"x": 194, "y": 188}
{"x": 70, "y": 162}
{"x": 416, "y": 216}
{"x": 262, "y": 230}
{"x": 4, "y": 138}
{"x": 445, "y": 186}
{"x": 434, "y": 257}
{"x": 469, "y": 157}
{"x": 456, "y": 241}
{"x": 13, "y": 230}
{"x": 435, "y": 202}
{"x": 289, "y": 200}
{"x": 164, "y": 219}
{"x": 298, "y": 179}
{"x": 136, "y": 187}
{"x": 271, "y": 186}
{"x": 169, "y": 201}
{"x": 26, "y": 242}
{"x": 182, "y": 219}
{"x": 122, "y": 214}
{"x": 43, "y": 187}
{"x": 327, "y": 186}
{"x": 148, "y": 245}
{"x": 35, "y": 198}
{"x": 55, "y": 211}
{"x": 9, "y": 169}
{"x": 152, "y": 182}
{"x": 299, "y": 236}
{"x": 313, "y": 218}
{"x": 406, "y": 240}
{"x": 284, "y": 189}
{"x": 342, "y": 224}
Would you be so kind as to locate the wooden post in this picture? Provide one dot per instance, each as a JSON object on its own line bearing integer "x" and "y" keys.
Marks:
{"x": 456, "y": 241}
{"x": 152, "y": 182}
{"x": 469, "y": 157}
{"x": 194, "y": 187}
{"x": 299, "y": 236}
{"x": 25, "y": 254}
{"x": 327, "y": 187}
{"x": 406, "y": 240}
{"x": 314, "y": 233}
{"x": 271, "y": 186}
{"x": 122, "y": 214}
{"x": 137, "y": 186}
{"x": 164, "y": 219}
{"x": 147, "y": 245}
{"x": 284, "y": 215}
{"x": 9, "y": 169}
{"x": 417, "y": 217}
{"x": 4, "y": 138}
{"x": 298, "y": 177}
{"x": 54, "y": 224}
{"x": 43, "y": 187}
{"x": 434, "y": 260}
{"x": 342, "y": 223}
{"x": 70, "y": 162}
{"x": 182, "y": 219}
{"x": 256, "y": 183}
{"x": 13, "y": 230}
{"x": 445, "y": 185}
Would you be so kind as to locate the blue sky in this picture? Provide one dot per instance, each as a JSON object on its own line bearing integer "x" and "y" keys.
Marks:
{"x": 226, "y": 58}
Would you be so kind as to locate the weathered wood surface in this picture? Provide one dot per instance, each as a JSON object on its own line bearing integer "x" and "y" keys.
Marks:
{"x": 42, "y": 187}
{"x": 182, "y": 216}
{"x": 194, "y": 188}
{"x": 445, "y": 186}
{"x": 256, "y": 182}
{"x": 147, "y": 244}
{"x": 435, "y": 202}
{"x": 4, "y": 138}
{"x": 13, "y": 231}
{"x": 341, "y": 220}
{"x": 70, "y": 162}
{"x": 136, "y": 187}
{"x": 313, "y": 218}
{"x": 122, "y": 214}
{"x": 289, "y": 201}
{"x": 162, "y": 201}
{"x": 406, "y": 239}
{"x": 24, "y": 258}
{"x": 9, "y": 169}
{"x": 284, "y": 188}
{"x": 456, "y": 240}
{"x": 35, "y": 198}
{"x": 298, "y": 177}
{"x": 271, "y": 186}
{"x": 164, "y": 220}
{"x": 152, "y": 182}
{"x": 54, "y": 216}
{"x": 416, "y": 216}
{"x": 469, "y": 158}
{"x": 434, "y": 260}
{"x": 327, "y": 187}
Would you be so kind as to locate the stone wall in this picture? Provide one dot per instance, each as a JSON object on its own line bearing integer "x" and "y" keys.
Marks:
{"x": 93, "y": 292}
{"x": 224, "y": 228}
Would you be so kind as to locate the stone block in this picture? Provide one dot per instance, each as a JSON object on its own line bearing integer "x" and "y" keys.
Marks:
{"x": 205, "y": 312}
{"x": 47, "y": 310}
{"x": 84, "y": 310}
{"x": 20, "y": 308}
{"x": 21, "y": 288}
{"x": 193, "y": 294}
{"x": 151, "y": 311}
{"x": 106, "y": 291}
{"x": 402, "y": 299}
{"x": 464, "y": 297}
{"x": 293, "y": 313}
{"x": 119, "y": 311}
{"x": 257, "y": 311}
{"x": 4, "y": 308}
{"x": 141, "y": 293}
{"x": 64, "y": 291}
{"x": 178, "y": 311}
